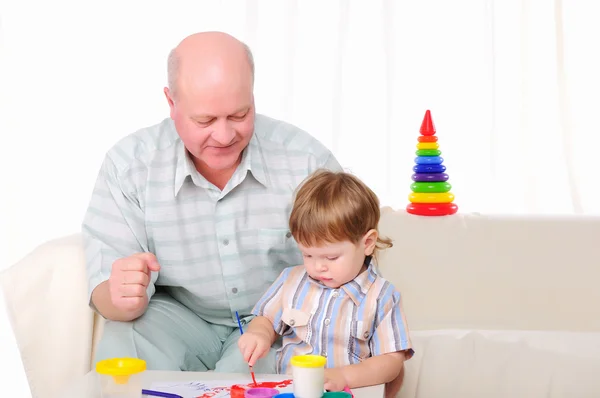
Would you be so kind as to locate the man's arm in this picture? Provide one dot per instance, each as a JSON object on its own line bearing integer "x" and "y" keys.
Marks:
{"x": 331, "y": 163}
{"x": 113, "y": 228}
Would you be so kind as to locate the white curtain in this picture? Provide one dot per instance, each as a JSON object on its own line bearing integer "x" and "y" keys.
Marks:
{"x": 512, "y": 86}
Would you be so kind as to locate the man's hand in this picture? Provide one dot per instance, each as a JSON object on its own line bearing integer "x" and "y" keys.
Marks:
{"x": 253, "y": 346}
{"x": 128, "y": 281}
{"x": 335, "y": 379}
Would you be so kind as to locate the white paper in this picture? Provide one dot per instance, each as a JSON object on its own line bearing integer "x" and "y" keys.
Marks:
{"x": 209, "y": 388}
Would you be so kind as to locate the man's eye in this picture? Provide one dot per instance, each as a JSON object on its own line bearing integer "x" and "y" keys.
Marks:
{"x": 239, "y": 117}
{"x": 204, "y": 122}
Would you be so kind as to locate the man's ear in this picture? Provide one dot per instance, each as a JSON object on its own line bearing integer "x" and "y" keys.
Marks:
{"x": 170, "y": 101}
{"x": 370, "y": 241}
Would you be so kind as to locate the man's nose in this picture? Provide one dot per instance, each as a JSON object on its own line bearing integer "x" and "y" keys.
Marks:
{"x": 223, "y": 133}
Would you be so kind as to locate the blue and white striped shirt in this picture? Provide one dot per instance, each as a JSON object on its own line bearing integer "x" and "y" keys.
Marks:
{"x": 361, "y": 319}
{"x": 219, "y": 251}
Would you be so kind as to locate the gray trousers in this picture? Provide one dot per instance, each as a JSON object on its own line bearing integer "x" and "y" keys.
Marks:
{"x": 169, "y": 336}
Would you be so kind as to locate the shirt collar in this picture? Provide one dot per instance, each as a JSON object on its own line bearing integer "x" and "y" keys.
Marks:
{"x": 357, "y": 288}
{"x": 252, "y": 161}
{"x": 184, "y": 167}
{"x": 255, "y": 161}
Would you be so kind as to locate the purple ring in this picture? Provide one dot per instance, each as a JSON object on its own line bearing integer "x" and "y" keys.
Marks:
{"x": 430, "y": 177}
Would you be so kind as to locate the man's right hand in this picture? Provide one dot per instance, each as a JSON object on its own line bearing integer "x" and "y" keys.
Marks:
{"x": 128, "y": 281}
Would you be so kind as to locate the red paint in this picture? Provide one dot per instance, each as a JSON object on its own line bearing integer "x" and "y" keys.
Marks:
{"x": 238, "y": 390}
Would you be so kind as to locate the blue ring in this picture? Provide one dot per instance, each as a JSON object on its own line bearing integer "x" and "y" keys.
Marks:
{"x": 429, "y": 168}
{"x": 429, "y": 160}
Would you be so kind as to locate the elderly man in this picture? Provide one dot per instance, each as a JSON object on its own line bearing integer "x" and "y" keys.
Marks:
{"x": 187, "y": 224}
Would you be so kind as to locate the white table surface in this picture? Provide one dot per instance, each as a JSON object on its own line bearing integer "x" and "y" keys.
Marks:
{"x": 88, "y": 386}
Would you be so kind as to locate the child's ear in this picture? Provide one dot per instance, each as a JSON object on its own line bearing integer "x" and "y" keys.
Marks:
{"x": 370, "y": 241}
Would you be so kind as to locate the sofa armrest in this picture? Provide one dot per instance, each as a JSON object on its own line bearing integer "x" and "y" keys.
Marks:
{"x": 46, "y": 303}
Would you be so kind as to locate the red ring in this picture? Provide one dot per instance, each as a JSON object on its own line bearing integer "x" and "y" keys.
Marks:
{"x": 432, "y": 209}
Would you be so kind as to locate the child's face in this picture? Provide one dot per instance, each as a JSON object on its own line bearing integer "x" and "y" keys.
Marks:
{"x": 334, "y": 264}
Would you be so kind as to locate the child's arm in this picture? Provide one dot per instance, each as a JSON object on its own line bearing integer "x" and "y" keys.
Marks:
{"x": 266, "y": 326}
{"x": 375, "y": 370}
{"x": 263, "y": 326}
{"x": 389, "y": 346}
{"x": 258, "y": 339}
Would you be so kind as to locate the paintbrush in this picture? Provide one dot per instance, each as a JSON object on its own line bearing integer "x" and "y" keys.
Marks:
{"x": 242, "y": 332}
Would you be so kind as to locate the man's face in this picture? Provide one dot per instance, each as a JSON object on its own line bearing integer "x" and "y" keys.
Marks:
{"x": 215, "y": 121}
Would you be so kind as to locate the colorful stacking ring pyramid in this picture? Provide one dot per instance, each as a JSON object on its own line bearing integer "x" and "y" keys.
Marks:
{"x": 430, "y": 191}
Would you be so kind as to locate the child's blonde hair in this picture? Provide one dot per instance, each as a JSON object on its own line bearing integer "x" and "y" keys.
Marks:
{"x": 332, "y": 207}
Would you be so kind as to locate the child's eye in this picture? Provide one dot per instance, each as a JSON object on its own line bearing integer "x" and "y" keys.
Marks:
{"x": 332, "y": 258}
{"x": 306, "y": 255}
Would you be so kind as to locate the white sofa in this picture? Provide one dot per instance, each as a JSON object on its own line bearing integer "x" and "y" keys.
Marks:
{"x": 498, "y": 306}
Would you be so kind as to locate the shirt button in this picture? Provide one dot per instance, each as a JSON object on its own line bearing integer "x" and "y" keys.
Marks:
{"x": 288, "y": 235}
{"x": 292, "y": 322}
{"x": 226, "y": 242}
{"x": 366, "y": 334}
{"x": 327, "y": 321}
{"x": 234, "y": 290}
{"x": 336, "y": 293}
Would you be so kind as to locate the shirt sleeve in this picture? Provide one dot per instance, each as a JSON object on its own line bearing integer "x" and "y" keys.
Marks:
{"x": 113, "y": 225}
{"x": 270, "y": 304}
{"x": 331, "y": 163}
{"x": 391, "y": 330}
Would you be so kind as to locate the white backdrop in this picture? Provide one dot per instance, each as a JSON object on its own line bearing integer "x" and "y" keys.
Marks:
{"x": 511, "y": 86}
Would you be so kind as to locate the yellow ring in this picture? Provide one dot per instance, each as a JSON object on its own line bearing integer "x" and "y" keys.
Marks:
{"x": 419, "y": 197}
{"x": 428, "y": 145}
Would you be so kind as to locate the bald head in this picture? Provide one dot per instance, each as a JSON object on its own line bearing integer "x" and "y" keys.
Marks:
{"x": 212, "y": 55}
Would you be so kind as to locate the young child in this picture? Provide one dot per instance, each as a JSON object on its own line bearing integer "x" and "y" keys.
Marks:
{"x": 335, "y": 305}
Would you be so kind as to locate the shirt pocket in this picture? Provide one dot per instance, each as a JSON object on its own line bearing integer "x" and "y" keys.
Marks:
{"x": 360, "y": 338}
{"x": 274, "y": 236}
{"x": 277, "y": 250}
{"x": 299, "y": 322}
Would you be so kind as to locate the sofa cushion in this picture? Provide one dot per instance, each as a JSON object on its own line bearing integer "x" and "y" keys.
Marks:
{"x": 45, "y": 295}
{"x": 478, "y": 364}
{"x": 473, "y": 271}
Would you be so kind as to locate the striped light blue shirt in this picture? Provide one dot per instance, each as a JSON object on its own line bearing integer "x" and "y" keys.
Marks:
{"x": 361, "y": 319}
{"x": 219, "y": 251}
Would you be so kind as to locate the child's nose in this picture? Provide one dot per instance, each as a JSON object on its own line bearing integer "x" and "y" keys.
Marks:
{"x": 321, "y": 266}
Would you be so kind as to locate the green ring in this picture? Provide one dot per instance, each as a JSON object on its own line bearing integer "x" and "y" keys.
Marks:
{"x": 430, "y": 187}
{"x": 428, "y": 152}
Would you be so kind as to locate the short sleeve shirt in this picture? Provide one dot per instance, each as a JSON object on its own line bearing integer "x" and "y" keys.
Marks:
{"x": 219, "y": 250}
{"x": 358, "y": 320}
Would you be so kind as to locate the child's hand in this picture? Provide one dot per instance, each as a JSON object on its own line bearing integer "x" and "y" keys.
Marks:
{"x": 335, "y": 379}
{"x": 253, "y": 346}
